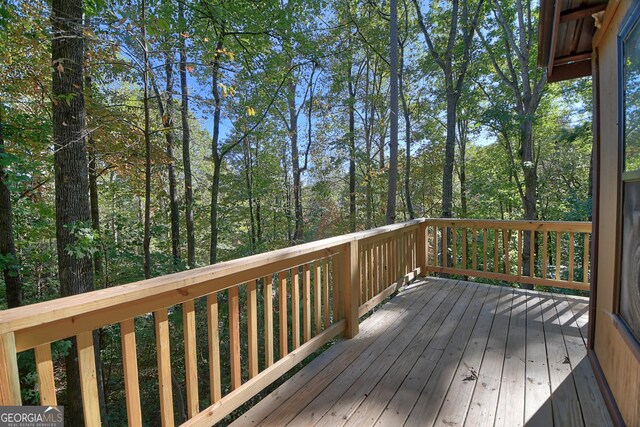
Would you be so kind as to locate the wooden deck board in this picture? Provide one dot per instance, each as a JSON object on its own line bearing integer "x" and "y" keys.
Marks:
{"x": 414, "y": 361}
{"x": 329, "y": 364}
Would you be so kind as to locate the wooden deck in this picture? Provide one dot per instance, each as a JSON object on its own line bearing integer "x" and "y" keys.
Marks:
{"x": 452, "y": 353}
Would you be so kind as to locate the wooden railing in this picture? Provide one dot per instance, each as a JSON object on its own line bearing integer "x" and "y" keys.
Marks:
{"x": 316, "y": 291}
{"x": 546, "y": 253}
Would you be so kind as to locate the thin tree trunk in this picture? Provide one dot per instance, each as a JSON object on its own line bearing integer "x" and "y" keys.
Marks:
{"x": 11, "y": 271}
{"x": 295, "y": 162}
{"x": 248, "y": 173}
{"x": 352, "y": 149}
{"x": 147, "y": 146}
{"x": 93, "y": 174}
{"x": 217, "y": 159}
{"x": 166, "y": 114}
{"x": 393, "y": 116}
{"x": 71, "y": 171}
{"x": 407, "y": 137}
{"x": 186, "y": 142}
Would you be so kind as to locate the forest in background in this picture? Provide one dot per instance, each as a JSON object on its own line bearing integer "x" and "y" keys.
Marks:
{"x": 211, "y": 130}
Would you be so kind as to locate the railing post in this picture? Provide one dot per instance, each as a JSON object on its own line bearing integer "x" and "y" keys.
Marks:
{"x": 421, "y": 249}
{"x": 9, "y": 377}
{"x": 351, "y": 279}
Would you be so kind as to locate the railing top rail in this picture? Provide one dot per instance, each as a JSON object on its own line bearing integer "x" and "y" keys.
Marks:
{"x": 174, "y": 288}
{"x": 566, "y": 226}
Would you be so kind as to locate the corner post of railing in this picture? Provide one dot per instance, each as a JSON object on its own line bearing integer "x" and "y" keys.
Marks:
{"x": 421, "y": 249}
{"x": 351, "y": 279}
{"x": 9, "y": 377}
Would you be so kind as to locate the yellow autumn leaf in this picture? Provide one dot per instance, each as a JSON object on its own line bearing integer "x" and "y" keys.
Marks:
{"x": 251, "y": 111}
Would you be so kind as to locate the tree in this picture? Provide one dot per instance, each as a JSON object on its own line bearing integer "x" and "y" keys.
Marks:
{"x": 75, "y": 268}
{"x": 8, "y": 256}
{"x": 393, "y": 115}
{"x": 515, "y": 34}
{"x": 186, "y": 140}
{"x": 453, "y": 59}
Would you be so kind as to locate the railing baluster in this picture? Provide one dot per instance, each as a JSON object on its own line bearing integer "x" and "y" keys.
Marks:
{"x": 532, "y": 254}
{"x": 283, "y": 315}
{"x": 544, "y": 254}
{"x": 335, "y": 290}
{"x": 571, "y": 255}
{"x": 234, "y": 338}
{"x": 317, "y": 284}
{"x": 46, "y": 380}
{"x": 88, "y": 379}
{"x": 252, "y": 328}
{"x": 495, "y": 251}
{"x": 214, "y": 347}
{"x": 325, "y": 295}
{"x": 585, "y": 261}
{"x": 9, "y": 376}
{"x": 464, "y": 247}
{"x": 520, "y": 252}
{"x": 306, "y": 303}
{"x": 485, "y": 247}
{"x": 190, "y": 357}
{"x": 130, "y": 367}
{"x": 295, "y": 307}
{"x": 505, "y": 245}
{"x": 454, "y": 250}
{"x": 435, "y": 246}
{"x": 445, "y": 246}
{"x": 268, "y": 320}
{"x": 164, "y": 367}
{"x": 474, "y": 250}
{"x": 363, "y": 275}
{"x": 558, "y": 254}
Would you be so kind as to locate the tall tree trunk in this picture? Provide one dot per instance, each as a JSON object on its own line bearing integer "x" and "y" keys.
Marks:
{"x": 217, "y": 159}
{"x": 93, "y": 174}
{"x": 258, "y": 207}
{"x": 95, "y": 224}
{"x": 463, "y": 128}
{"x": 147, "y": 146}
{"x": 393, "y": 116}
{"x": 352, "y": 148}
{"x": 295, "y": 163}
{"x": 11, "y": 271}
{"x": 407, "y": 136}
{"x": 186, "y": 142}
{"x": 248, "y": 173}
{"x": 449, "y": 156}
{"x": 71, "y": 171}
{"x": 166, "y": 114}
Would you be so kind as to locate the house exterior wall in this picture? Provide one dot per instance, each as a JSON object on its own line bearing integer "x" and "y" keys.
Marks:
{"x": 619, "y": 363}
